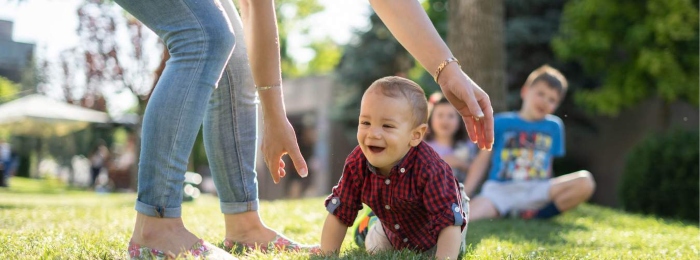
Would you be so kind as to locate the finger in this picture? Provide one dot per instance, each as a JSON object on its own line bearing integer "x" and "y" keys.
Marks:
{"x": 480, "y": 134}
{"x": 282, "y": 164}
{"x": 275, "y": 171}
{"x": 471, "y": 99}
{"x": 471, "y": 130}
{"x": 298, "y": 161}
{"x": 282, "y": 173}
{"x": 487, "y": 123}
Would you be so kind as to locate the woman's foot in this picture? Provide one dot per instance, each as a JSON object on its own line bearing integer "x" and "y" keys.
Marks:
{"x": 167, "y": 235}
{"x": 245, "y": 231}
{"x": 200, "y": 250}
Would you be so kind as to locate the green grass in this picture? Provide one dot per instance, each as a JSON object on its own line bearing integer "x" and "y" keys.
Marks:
{"x": 40, "y": 220}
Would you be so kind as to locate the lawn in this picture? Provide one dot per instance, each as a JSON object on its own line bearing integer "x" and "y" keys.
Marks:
{"x": 43, "y": 220}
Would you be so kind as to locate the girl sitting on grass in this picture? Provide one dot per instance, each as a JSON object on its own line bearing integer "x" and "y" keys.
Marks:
{"x": 448, "y": 136}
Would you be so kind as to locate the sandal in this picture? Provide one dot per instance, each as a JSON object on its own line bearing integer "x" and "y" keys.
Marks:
{"x": 200, "y": 250}
{"x": 280, "y": 243}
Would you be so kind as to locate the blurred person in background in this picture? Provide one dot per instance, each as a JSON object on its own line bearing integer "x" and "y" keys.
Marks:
{"x": 5, "y": 161}
{"x": 98, "y": 160}
{"x": 521, "y": 182}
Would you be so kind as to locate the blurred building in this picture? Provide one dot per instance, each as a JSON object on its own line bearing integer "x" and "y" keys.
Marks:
{"x": 15, "y": 57}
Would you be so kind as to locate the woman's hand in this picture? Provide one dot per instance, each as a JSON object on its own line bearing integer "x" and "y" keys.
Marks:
{"x": 471, "y": 102}
{"x": 279, "y": 139}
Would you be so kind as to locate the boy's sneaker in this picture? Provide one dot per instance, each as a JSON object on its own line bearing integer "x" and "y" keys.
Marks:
{"x": 522, "y": 213}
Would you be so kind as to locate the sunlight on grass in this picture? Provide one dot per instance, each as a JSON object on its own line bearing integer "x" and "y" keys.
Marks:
{"x": 26, "y": 185}
{"x": 47, "y": 221}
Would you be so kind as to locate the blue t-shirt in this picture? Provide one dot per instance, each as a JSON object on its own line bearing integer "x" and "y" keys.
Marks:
{"x": 524, "y": 150}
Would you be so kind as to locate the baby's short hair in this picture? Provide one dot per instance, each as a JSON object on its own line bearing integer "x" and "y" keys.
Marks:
{"x": 549, "y": 75}
{"x": 398, "y": 87}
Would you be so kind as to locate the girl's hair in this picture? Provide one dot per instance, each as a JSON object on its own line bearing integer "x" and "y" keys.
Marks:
{"x": 461, "y": 133}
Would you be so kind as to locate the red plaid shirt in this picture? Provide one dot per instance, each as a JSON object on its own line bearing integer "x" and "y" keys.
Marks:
{"x": 414, "y": 203}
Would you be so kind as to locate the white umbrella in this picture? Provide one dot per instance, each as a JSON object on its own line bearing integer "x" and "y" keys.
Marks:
{"x": 38, "y": 115}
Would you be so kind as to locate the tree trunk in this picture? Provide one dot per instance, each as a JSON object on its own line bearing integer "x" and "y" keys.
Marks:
{"x": 476, "y": 36}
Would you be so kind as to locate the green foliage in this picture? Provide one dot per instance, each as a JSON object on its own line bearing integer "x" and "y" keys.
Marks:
{"x": 290, "y": 14}
{"x": 437, "y": 13}
{"x": 661, "y": 176}
{"x": 8, "y": 90}
{"x": 328, "y": 55}
{"x": 640, "y": 49}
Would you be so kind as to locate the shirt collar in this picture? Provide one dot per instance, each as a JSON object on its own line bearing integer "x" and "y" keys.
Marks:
{"x": 403, "y": 163}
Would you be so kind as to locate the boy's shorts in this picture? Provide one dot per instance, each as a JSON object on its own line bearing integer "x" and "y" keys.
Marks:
{"x": 376, "y": 239}
{"x": 520, "y": 195}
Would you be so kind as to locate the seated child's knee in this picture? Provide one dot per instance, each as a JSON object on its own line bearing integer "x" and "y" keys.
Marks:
{"x": 587, "y": 179}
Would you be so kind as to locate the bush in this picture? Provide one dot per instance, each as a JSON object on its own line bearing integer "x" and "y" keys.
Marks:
{"x": 661, "y": 176}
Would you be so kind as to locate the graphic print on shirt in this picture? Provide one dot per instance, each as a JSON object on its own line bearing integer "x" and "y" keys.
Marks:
{"x": 526, "y": 156}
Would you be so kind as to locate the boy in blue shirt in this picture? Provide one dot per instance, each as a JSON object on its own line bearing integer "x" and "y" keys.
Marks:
{"x": 520, "y": 182}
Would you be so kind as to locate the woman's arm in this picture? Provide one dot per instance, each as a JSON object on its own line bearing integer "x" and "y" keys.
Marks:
{"x": 262, "y": 40}
{"x": 409, "y": 23}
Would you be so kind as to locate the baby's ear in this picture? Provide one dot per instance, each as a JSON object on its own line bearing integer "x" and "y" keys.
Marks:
{"x": 417, "y": 134}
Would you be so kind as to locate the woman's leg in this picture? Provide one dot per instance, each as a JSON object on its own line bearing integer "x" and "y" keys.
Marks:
{"x": 230, "y": 138}
{"x": 200, "y": 40}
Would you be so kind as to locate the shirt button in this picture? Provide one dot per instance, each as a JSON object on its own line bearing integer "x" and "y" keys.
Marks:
{"x": 397, "y": 226}
{"x": 456, "y": 209}
{"x": 387, "y": 181}
{"x": 405, "y": 240}
{"x": 334, "y": 201}
{"x": 387, "y": 207}
{"x": 403, "y": 170}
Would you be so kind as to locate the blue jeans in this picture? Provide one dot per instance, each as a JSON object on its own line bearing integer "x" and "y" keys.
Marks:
{"x": 205, "y": 81}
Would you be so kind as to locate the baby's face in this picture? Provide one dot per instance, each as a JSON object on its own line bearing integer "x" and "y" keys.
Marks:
{"x": 386, "y": 130}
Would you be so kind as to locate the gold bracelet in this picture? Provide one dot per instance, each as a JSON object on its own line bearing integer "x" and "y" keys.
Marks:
{"x": 259, "y": 88}
{"x": 443, "y": 65}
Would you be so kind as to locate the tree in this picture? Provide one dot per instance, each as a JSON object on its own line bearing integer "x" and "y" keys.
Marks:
{"x": 475, "y": 34}
{"x": 8, "y": 89}
{"x": 290, "y": 17}
{"x": 327, "y": 56}
{"x": 112, "y": 57}
{"x": 640, "y": 49}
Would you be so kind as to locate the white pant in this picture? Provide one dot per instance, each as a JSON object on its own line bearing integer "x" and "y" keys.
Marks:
{"x": 377, "y": 240}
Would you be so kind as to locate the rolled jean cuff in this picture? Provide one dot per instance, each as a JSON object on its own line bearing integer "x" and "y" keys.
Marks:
{"x": 239, "y": 207}
{"x": 158, "y": 211}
